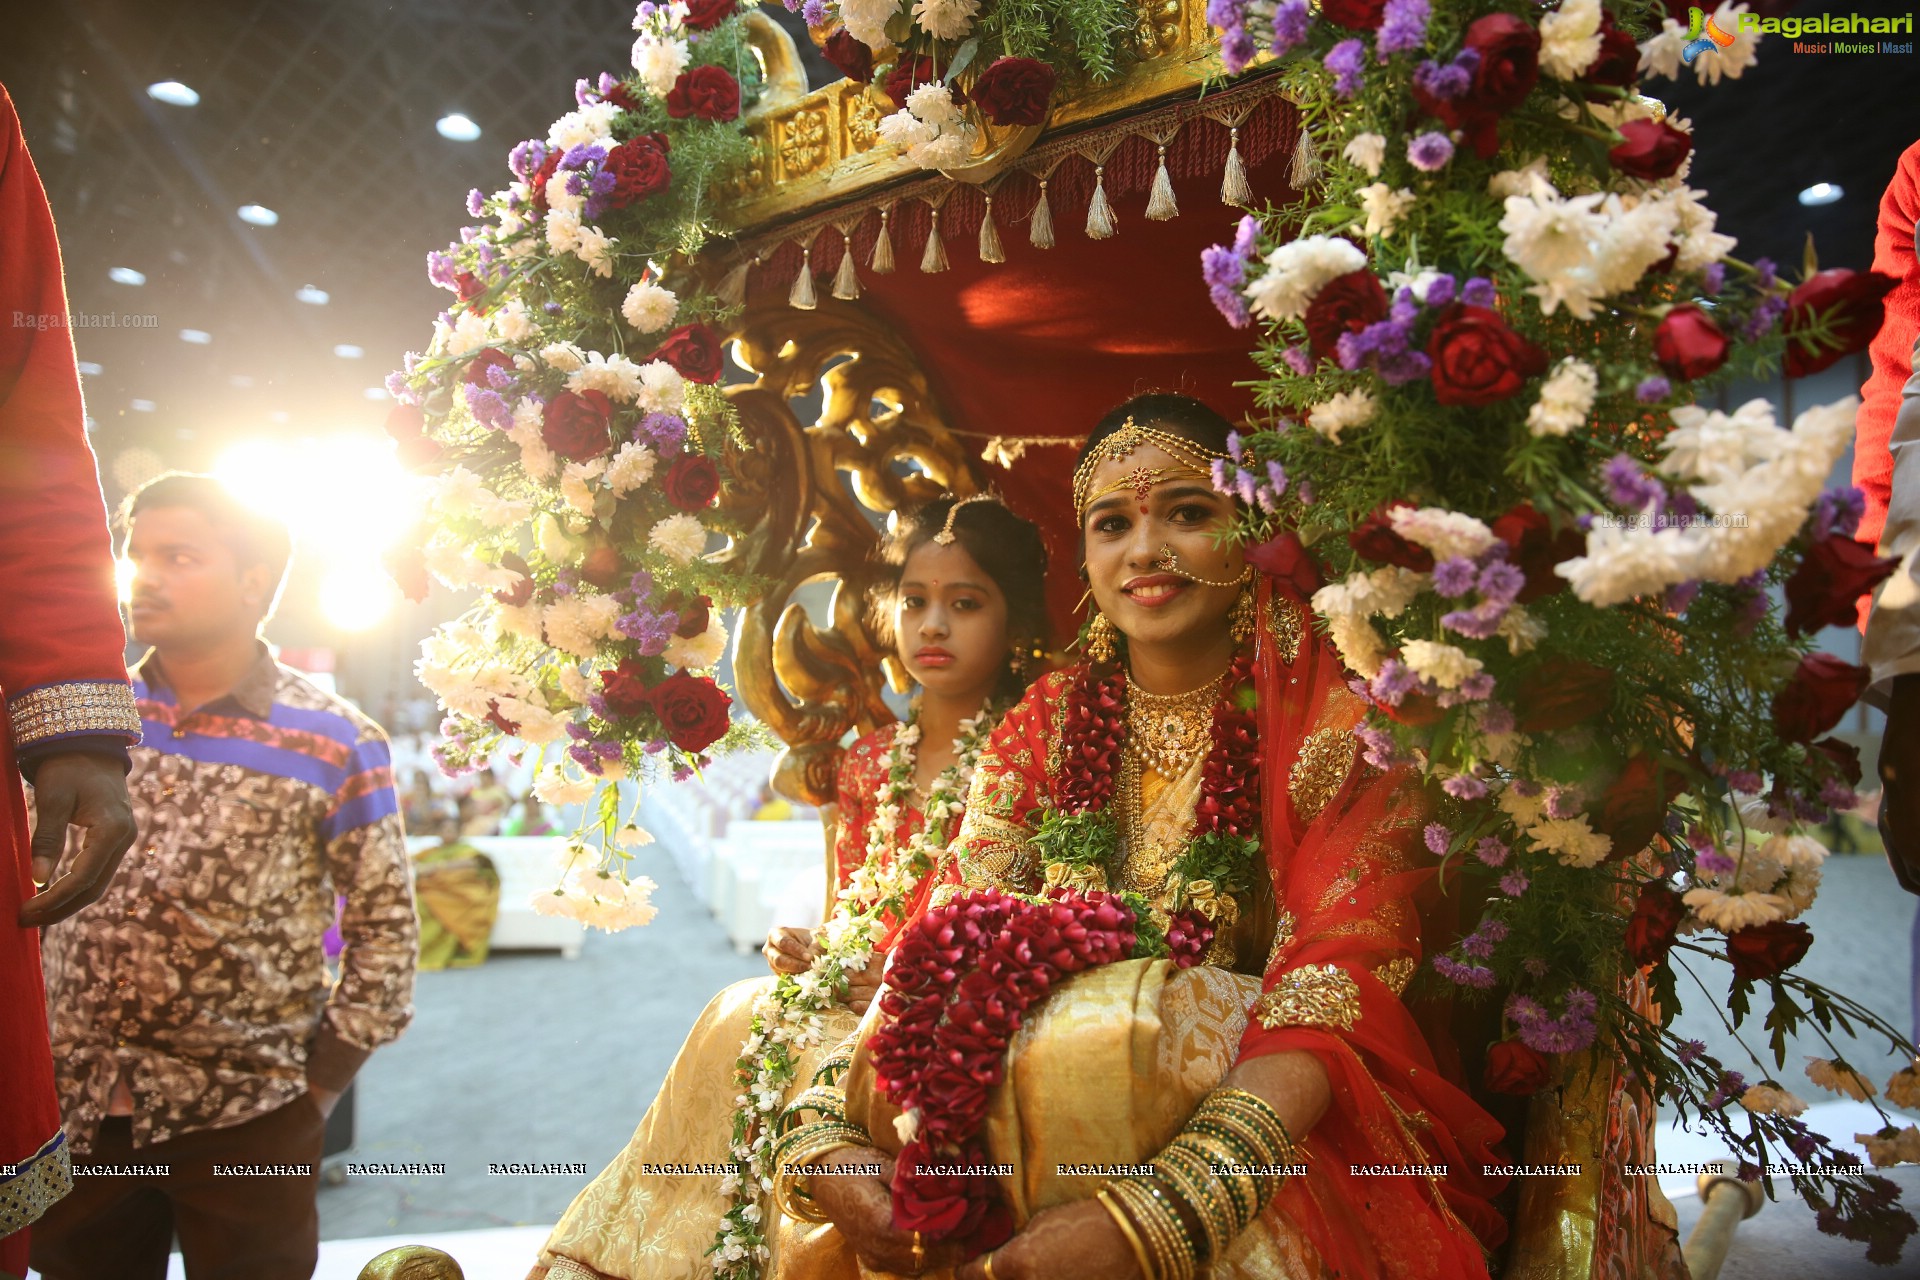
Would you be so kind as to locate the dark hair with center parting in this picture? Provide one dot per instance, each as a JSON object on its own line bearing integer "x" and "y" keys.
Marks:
{"x": 1007, "y": 548}
{"x": 254, "y": 537}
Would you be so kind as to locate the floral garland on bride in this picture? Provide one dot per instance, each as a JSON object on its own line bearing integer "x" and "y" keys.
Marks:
{"x": 787, "y": 1020}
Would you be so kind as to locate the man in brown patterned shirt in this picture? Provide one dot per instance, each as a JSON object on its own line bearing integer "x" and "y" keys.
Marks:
{"x": 198, "y": 1042}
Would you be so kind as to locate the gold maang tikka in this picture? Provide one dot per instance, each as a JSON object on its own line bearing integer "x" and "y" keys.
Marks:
{"x": 946, "y": 535}
{"x": 1194, "y": 461}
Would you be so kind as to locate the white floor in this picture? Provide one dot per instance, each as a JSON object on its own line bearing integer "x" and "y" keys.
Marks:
{"x": 1839, "y": 1121}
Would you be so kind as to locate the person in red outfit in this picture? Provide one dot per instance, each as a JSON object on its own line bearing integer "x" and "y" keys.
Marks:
{"x": 70, "y": 710}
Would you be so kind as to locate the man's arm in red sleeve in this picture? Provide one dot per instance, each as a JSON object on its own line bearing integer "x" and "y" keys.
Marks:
{"x": 1891, "y": 351}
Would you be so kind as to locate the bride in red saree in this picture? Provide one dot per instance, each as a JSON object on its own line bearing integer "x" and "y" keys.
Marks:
{"x": 1209, "y": 724}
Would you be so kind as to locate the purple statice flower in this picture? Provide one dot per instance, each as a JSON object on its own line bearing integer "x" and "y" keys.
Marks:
{"x": 583, "y": 755}
{"x": 650, "y": 632}
{"x": 576, "y": 184}
{"x": 1437, "y": 837}
{"x": 489, "y": 408}
{"x": 1447, "y": 80}
{"x": 1631, "y": 487}
{"x": 1492, "y": 850}
{"x": 665, "y": 431}
{"x": 476, "y": 202}
{"x": 1536, "y": 965}
{"x": 1393, "y": 682}
{"x": 1289, "y": 26}
{"x": 1838, "y": 511}
{"x": 1481, "y": 942}
{"x": 1764, "y": 317}
{"x": 1236, "y": 448}
{"x": 1440, "y": 290}
{"x": 1514, "y": 883}
{"x": 1380, "y": 749}
{"x": 1464, "y": 786}
{"x": 1454, "y": 576}
{"x": 1276, "y": 478}
{"x": 1226, "y": 14}
{"x": 1803, "y": 1142}
{"x": 1501, "y": 581}
{"x": 1223, "y": 270}
{"x": 400, "y": 389}
{"x": 552, "y": 308}
{"x": 525, "y": 160}
{"x": 1478, "y": 292}
{"x": 1836, "y": 794}
{"x": 1652, "y": 390}
{"x": 1713, "y": 279}
{"x": 1397, "y": 368}
{"x": 442, "y": 270}
{"x": 1348, "y": 62}
{"x": 682, "y": 773}
{"x": 656, "y": 746}
{"x": 1765, "y": 273}
{"x": 1562, "y": 802}
{"x": 607, "y": 750}
{"x": 498, "y": 377}
{"x": 1475, "y": 688}
{"x": 1690, "y": 1051}
{"x": 1244, "y": 486}
{"x": 1754, "y": 609}
{"x": 580, "y": 732}
{"x": 1496, "y": 718}
{"x": 1430, "y": 152}
{"x": 814, "y": 13}
{"x": 582, "y": 154}
{"x": 1465, "y": 975}
{"x": 1525, "y": 788}
{"x": 583, "y": 94}
{"x": 1304, "y": 490}
{"x": 1713, "y": 862}
{"x": 1237, "y": 49}
{"x": 1680, "y": 595}
{"x": 1730, "y": 1086}
{"x": 1746, "y": 781}
{"x": 1219, "y": 475}
{"x": 1403, "y": 27}
{"x": 1482, "y": 622}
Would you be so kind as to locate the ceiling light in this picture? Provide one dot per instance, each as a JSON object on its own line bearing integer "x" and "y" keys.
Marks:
{"x": 1821, "y": 193}
{"x": 198, "y": 337}
{"x": 457, "y": 127}
{"x": 125, "y": 275}
{"x": 375, "y": 393}
{"x": 142, "y": 406}
{"x": 311, "y": 296}
{"x": 258, "y": 215}
{"x": 89, "y": 369}
{"x": 173, "y": 93}
{"x": 347, "y": 351}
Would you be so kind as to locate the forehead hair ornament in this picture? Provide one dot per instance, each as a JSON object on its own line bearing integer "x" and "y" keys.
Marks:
{"x": 946, "y": 535}
{"x": 1193, "y": 460}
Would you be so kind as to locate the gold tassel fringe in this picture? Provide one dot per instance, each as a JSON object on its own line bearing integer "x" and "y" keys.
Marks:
{"x": 882, "y": 262}
{"x": 802, "y": 296}
{"x": 991, "y": 249}
{"x": 846, "y": 281}
{"x": 1234, "y": 187}
{"x": 935, "y": 258}
{"x": 1100, "y": 220}
{"x": 1161, "y": 206}
{"x": 1040, "y": 232}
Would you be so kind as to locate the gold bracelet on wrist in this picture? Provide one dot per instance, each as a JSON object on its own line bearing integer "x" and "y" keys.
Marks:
{"x": 1158, "y": 1224}
{"x": 1111, "y": 1204}
{"x": 827, "y": 1101}
{"x": 1189, "y": 1176}
{"x": 1221, "y": 1159}
{"x": 791, "y": 1162}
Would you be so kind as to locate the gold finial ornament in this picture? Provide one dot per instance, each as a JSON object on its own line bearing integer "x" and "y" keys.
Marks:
{"x": 1195, "y": 461}
{"x": 946, "y": 535}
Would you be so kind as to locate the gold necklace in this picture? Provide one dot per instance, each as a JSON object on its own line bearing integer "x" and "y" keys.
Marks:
{"x": 1167, "y": 732}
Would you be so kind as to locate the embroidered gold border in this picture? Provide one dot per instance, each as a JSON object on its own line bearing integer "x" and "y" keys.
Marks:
{"x": 43, "y": 1179}
{"x": 78, "y": 706}
{"x": 1311, "y": 996}
{"x": 1325, "y": 759}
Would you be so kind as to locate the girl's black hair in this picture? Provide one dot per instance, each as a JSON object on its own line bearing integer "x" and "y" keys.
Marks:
{"x": 1007, "y": 548}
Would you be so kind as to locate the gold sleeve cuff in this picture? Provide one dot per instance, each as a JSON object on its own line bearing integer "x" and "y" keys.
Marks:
{"x": 76, "y": 707}
{"x": 1311, "y": 996}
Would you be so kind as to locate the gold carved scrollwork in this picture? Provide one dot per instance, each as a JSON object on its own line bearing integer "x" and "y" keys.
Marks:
{"x": 804, "y": 144}
{"x": 805, "y": 495}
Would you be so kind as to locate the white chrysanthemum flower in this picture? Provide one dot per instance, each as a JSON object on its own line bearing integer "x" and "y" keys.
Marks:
{"x": 1445, "y": 533}
{"x": 456, "y": 493}
{"x": 660, "y": 60}
{"x": 563, "y": 356}
{"x": 866, "y": 20}
{"x": 600, "y": 900}
{"x": 460, "y": 566}
{"x": 1345, "y": 409}
{"x": 649, "y": 307}
{"x": 1572, "y": 841}
{"x": 633, "y": 836}
{"x": 948, "y": 151}
{"x": 1525, "y": 811}
{"x": 591, "y": 125}
{"x": 632, "y": 467}
{"x": 512, "y": 321}
{"x": 575, "y": 683}
{"x": 467, "y": 334}
{"x": 1552, "y": 238}
{"x": 905, "y": 130}
{"x": 1636, "y": 236}
{"x": 517, "y": 620}
{"x": 1521, "y": 630}
{"x": 1297, "y": 271}
{"x": 1359, "y": 644}
{"x": 1717, "y": 447}
{"x": 1525, "y": 182}
{"x": 595, "y": 248}
{"x": 1566, "y": 398}
{"x": 1886, "y": 1149}
{"x": 1729, "y": 912}
{"x": 1367, "y": 151}
{"x": 1838, "y": 1077}
{"x": 1700, "y": 244}
{"x": 576, "y": 484}
{"x": 933, "y": 102}
{"x": 1444, "y": 664}
{"x": 1623, "y": 563}
{"x": 1771, "y": 1100}
{"x": 555, "y": 542}
{"x": 1903, "y": 1088}
{"x": 577, "y": 624}
{"x": 701, "y": 652}
{"x": 1660, "y": 56}
{"x": 1570, "y": 39}
{"x": 1384, "y": 207}
{"x": 680, "y": 538}
{"x": 615, "y": 375}
{"x": 563, "y": 230}
{"x": 555, "y": 786}
{"x": 906, "y": 1125}
{"x": 662, "y": 389}
{"x": 945, "y": 19}
{"x": 537, "y": 726}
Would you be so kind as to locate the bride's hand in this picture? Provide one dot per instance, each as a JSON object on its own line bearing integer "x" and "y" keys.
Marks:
{"x": 790, "y": 950}
{"x": 864, "y": 985}
{"x": 1077, "y": 1239}
{"x": 861, "y": 1209}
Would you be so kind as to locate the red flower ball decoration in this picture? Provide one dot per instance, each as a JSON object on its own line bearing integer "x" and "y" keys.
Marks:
{"x": 1618, "y": 63}
{"x": 1651, "y": 150}
{"x": 1374, "y": 538}
{"x": 1854, "y": 304}
{"x": 692, "y": 482}
{"x": 1514, "y": 1068}
{"x": 692, "y": 710}
{"x": 1286, "y": 560}
{"x": 574, "y": 424}
{"x": 853, "y": 58}
{"x": 1345, "y": 304}
{"x": 1477, "y": 359}
{"x": 704, "y": 93}
{"x": 1818, "y": 694}
{"x": 1655, "y": 923}
{"x": 1015, "y": 91}
{"x": 1230, "y": 776}
{"x": 1764, "y": 951}
{"x": 694, "y": 351}
{"x": 639, "y": 167}
{"x": 537, "y": 185}
{"x": 705, "y": 15}
{"x": 1825, "y": 590}
{"x": 1688, "y": 344}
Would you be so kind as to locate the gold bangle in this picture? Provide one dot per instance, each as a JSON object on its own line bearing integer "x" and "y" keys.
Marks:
{"x": 1120, "y": 1219}
{"x": 1189, "y": 1177}
{"x": 986, "y": 1262}
{"x": 1166, "y": 1232}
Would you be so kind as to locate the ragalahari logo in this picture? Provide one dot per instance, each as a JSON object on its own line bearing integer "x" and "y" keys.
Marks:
{"x": 1703, "y": 36}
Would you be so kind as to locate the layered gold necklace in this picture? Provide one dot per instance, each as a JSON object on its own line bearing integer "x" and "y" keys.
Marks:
{"x": 1167, "y": 733}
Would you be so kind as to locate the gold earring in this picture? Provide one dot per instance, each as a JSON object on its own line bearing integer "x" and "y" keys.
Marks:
{"x": 1100, "y": 633}
{"x": 1240, "y": 620}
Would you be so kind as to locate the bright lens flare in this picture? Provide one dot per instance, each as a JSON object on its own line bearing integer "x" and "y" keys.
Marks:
{"x": 123, "y": 572}
{"x": 356, "y": 599}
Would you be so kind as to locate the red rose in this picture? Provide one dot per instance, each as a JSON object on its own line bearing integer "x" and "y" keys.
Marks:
{"x": 537, "y": 185}
{"x": 1287, "y": 561}
{"x": 1688, "y": 344}
{"x": 853, "y": 58}
{"x": 692, "y": 710}
{"x": 1818, "y": 694}
{"x": 639, "y": 168}
{"x": 704, "y": 93}
{"x": 1618, "y": 63}
{"x": 1356, "y": 15}
{"x": 1345, "y": 304}
{"x": 408, "y": 427}
{"x": 521, "y": 592}
{"x": 574, "y": 424}
{"x": 1560, "y": 693}
{"x": 1843, "y": 756}
{"x": 1655, "y": 923}
{"x": 1634, "y": 806}
{"x": 1534, "y": 549}
{"x": 1514, "y": 1068}
{"x": 1375, "y": 539}
{"x": 487, "y": 358}
{"x": 1825, "y": 590}
{"x": 693, "y": 350}
{"x": 624, "y": 689}
{"x": 694, "y": 617}
{"x": 1509, "y": 67}
{"x": 1762, "y": 951}
{"x": 691, "y": 482}
{"x": 468, "y": 286}
{"x": 408, "y": 569}
{"x": 1852, "y": 303}
{"x": 1653, "y": 149}
{"x": 908, "y": 74}
{"x": 603, "y": 567}
{"x": 1476, "y": 358}
{"x": 1015, "y": 91}
{"x": 705, "y": 15}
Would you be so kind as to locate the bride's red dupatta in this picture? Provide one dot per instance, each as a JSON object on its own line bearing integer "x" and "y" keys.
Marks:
{"x": 1343, "y": 844}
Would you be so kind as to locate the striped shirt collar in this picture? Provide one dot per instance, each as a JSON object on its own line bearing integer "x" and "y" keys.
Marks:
{"x": 252, "y": 696}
